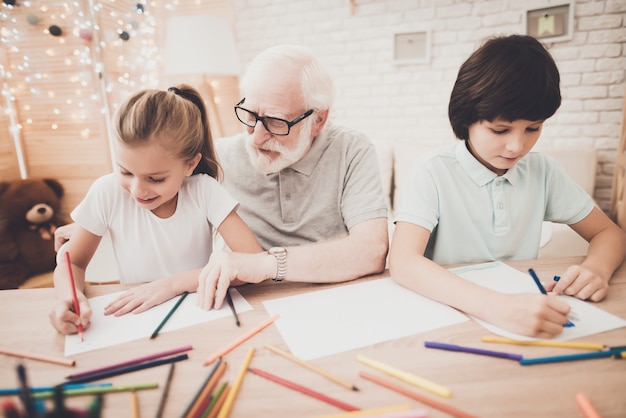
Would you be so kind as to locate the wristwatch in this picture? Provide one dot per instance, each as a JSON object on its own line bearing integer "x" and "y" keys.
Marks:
{"x": 281, "y": 259}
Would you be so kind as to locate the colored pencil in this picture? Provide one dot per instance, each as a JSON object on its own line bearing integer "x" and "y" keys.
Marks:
{"x": 134, "y": 404}
{"x": 39, "y": 357}
{"x": 214, "y": 401}
{"x": 95, "y": 407}
{"x": 585, "y": 405}
{"x": 215, "y": 405}
{"x": 448, "y": 409}
{"x": 131, "y": 362}
{"x": 74, "y": 296}
{"x": 313, "y": 368}
{"x": 240, "y": 340}
{"x": 397, "y": 411}
{"x": 169, "y": 315}
{"x": 232, "y": 393}
{"x": 229, "y": 299}
{"x": 204, "y": 398}
{"x": 25, "y": 394}
{"x": 545, "y": 343}
{"x": 471, "y": 350}
{"x": 304, "y": 390}
{"x": 97, "y": 390}
{"x": 543, "y": 291}
{"x": 425, "y": 384}
{"x": 129, "y": 369}
{"x": 165, "y": 392}
{"x": 198, "y": 394}
{"x": 571, "y": 357}
{"x": 66, "y": 386}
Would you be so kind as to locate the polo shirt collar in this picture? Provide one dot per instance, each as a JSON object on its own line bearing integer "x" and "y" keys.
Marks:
{"x": 480, "y": 174}
{"x": 307, "y": 164}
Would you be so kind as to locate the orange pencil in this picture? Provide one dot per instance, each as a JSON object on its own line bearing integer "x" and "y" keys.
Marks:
{"x": 241, "y": 340}
{"x": 74, "y": 297}
{"x": 40, "y": 357}
{"x": 585, "y": 405}
{"x": 418, "y": 397}
{"x": 206, "y": 391}
{"x": 214, "y": 407}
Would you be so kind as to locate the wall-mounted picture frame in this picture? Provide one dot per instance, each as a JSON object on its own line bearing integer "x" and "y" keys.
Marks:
{"x": 411, "y": 47}
{"x": 553, "y": 23}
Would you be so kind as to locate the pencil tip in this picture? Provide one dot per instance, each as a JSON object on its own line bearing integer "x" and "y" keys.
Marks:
{"x": 354, "y": 388}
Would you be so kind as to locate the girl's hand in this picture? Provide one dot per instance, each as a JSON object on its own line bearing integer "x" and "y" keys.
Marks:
{"x": 140, "y": 298}
{"x": 580, "y": 282}
{"x": 534, "y": 315}
{"x": 63, "y": 318}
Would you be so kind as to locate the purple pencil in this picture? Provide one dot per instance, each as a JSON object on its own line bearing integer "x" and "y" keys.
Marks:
{"x": 452, "y": 347}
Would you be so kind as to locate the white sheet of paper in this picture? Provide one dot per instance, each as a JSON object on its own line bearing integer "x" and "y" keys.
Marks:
{"x": 587, "y": 318}
{"x": 339, "y": 319}
{"x": 106, "y": 331}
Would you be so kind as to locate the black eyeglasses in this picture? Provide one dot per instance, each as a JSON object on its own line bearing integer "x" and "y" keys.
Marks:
{"x": 276, "y": 126}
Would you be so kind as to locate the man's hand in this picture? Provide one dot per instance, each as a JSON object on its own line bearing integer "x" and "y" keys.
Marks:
{"x": 225, "y": 267}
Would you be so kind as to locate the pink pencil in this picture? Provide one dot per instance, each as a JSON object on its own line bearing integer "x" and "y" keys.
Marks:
{"x": 74, "y": 296}
{"x": 131, "y": 362}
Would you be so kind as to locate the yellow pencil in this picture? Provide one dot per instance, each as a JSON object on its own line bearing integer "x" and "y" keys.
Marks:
{"x": 545, "y": 343}
{"x": 232, "y": 394}
{"x": 370, "y": 412}
{"x": 134, "y": 404}
{"x": 313, "y": 368}
{"x": 410, "y": 378}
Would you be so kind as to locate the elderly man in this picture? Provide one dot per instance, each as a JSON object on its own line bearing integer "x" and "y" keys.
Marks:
{"x": 309, "y": 190}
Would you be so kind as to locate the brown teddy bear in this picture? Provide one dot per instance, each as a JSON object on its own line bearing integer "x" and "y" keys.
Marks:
{"x": 28, "y": 217}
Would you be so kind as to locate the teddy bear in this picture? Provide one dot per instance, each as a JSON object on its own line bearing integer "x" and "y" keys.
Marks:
{"x": 29, "y": 214}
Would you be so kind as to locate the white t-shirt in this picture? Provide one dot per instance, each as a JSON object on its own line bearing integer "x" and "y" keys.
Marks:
{"x": 145, "y": 246}
{"x": 474, "y": 215}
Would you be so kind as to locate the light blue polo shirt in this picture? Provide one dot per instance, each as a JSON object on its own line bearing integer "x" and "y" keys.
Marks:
{"x": 474, "y": 215}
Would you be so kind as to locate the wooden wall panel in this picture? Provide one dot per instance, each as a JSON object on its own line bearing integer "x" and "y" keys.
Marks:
{"x": 67, "y": 87}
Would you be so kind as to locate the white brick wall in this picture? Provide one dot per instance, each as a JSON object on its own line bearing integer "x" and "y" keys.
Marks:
{"x": 409, "y": 102}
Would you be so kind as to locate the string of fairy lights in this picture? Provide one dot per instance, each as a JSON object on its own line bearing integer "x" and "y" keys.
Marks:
{"x": 106, "y": 44}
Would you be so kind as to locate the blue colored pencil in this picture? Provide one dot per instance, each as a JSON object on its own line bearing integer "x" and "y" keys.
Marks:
{"x": 16, "y": 391}
{"x": 129, "y": 369}
{"x": 571, "y": 357}
{"x": 543, "y": 290}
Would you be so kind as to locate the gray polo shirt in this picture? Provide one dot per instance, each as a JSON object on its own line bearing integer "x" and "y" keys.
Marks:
{"x": 335, "y": 186}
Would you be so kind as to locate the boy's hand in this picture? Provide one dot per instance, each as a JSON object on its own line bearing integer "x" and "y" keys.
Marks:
{"x": 581, "y": 283}
{"x": 535, "y": 315}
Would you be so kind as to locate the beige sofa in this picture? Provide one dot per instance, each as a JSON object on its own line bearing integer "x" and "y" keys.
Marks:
{"x": 396, "y": 159}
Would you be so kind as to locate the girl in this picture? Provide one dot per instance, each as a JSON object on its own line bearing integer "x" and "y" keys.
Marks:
{"x": 160, "y": 207}
{"x": 485, "y": 198}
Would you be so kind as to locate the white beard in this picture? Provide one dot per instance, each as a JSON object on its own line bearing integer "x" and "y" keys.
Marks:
{"x": 286, "y": 157}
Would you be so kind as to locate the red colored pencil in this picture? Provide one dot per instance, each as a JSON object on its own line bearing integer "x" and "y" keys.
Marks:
{"x": 304, "y": 390}
{"x": 74, "y": 297}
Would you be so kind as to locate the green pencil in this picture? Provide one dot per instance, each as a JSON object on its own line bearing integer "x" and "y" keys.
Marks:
{"x": 169, "y": 314}
{"x": 96, "y": 390}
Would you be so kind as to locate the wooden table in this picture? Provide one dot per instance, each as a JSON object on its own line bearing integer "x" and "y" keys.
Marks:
{"x": 483, "y": 386}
